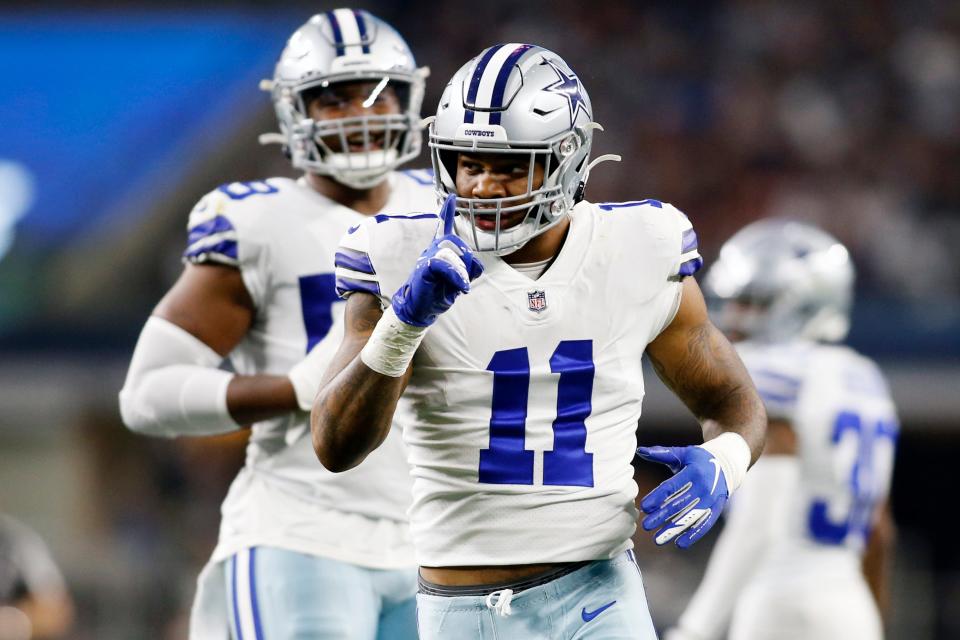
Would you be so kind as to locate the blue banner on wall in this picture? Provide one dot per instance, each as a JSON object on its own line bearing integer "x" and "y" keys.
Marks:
{"x": 92, "y": 103}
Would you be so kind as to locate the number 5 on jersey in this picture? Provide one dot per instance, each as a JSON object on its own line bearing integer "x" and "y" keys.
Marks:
{"x": 507, "y": 461}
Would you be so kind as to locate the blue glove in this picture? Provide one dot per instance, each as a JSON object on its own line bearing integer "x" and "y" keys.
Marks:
{"x": 443, "y": 271}
{"x": 690, "y": 502}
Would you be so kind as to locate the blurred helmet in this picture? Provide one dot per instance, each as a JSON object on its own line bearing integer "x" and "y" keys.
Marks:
{"x": 339, "y": 46}
{"x": 780, "y": 280}
{"x": 524, "y": 102}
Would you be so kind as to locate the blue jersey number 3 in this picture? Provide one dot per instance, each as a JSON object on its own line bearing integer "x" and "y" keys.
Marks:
{"x": 866, "y": 437}
{"x": 569, "y": 464}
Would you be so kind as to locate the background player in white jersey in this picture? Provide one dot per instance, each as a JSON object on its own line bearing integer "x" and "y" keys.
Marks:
{"x": 527, "y": 390}
{"x": 302, "y": 552}
{"x": 804, "y": 544}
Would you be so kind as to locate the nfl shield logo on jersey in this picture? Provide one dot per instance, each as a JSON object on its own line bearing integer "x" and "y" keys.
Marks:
{"x": 536, "y": 300}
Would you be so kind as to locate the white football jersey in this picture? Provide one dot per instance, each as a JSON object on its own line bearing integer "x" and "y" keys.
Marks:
{"x": 525, "y": 395}
{"x": 839, "y": 406}
{"x": 282, "y": 235}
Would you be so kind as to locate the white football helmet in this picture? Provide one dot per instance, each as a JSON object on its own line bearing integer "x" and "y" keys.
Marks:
{"x": 347, "y": 45}
{"x": 521, "y": 100}
{"x": 779, "y": 280}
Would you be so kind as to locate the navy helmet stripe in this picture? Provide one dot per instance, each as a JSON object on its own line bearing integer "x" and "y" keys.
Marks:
{"x": 496, "y": 101}
{"x": 362, "y": 28}
{"x": 475, "y": 82}
{"x": 337, "y": 35}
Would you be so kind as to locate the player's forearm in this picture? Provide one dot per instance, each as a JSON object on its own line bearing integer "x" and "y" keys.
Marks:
{"x": 175, "y": 387}
{"x": 191, "y": 400}
{"x": 739, "y": 410}
{"x": 352, "y": 415}
{"x": 706, "y": 373}
{"x": 259, "y": 397}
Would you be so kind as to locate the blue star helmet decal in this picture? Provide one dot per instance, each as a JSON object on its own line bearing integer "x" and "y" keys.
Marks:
{"x": 570, "y": 88}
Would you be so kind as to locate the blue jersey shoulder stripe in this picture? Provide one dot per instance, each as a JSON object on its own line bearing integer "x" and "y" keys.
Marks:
{"x": 354, "y": 260}
{"x": 689, "y": 241}
{"x": 779, "y": 398}
{"x": 691, "y": 266}
{"x": 351, "y": 285}
{"x": 781, "y": 378}
{"x": 218, "y": 224}
{"x": 776, "y": 387}
{"x": 226, "y": 248}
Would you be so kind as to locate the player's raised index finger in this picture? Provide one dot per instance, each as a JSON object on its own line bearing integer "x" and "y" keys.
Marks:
{"x": 448, "y": 212}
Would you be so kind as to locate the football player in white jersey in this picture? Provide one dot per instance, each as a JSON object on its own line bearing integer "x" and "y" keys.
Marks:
{"x": 804, "y": 542}
{"x": 526, "y": 381}
{"x": 302, "y": 552}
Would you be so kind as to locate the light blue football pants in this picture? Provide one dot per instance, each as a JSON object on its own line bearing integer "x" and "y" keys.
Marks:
{"x": 603, "y": 599}
{"x": 276, "y": 594}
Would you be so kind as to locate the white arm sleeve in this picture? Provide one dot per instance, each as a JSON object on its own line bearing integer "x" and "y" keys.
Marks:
{"x": 173, "y": 386}
{"x": 756, "y": 516}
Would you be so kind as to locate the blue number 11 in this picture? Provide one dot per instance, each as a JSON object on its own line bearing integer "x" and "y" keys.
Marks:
{"x": 569, "y": 464}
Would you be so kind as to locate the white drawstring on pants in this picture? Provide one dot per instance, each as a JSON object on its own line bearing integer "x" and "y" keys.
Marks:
{"x": 499, "y": 601}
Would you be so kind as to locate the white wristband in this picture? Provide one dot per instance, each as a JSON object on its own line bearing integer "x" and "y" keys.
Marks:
{"x": 391, "y": 345}
{"x": 733, "y": 455}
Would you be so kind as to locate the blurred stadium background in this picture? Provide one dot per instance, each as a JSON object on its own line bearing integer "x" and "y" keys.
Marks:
{"x": 113, "y": 122}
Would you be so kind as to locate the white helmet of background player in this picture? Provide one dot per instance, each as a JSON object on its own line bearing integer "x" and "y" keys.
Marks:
{"x": 523, "y": 101}
{"x": 779, "y": 280}
{"x": 347, "y": 45}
